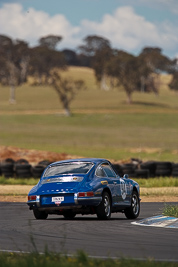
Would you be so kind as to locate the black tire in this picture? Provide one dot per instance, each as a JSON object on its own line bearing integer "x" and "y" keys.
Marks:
{"x": 9, "y": 160}
{"x": 129, "y": 169}
{"x": 7, "y": 169}
{"x": 103, "y": 210}
{"x": 22, "y": 161}
{"x": 44, "y": 163}
{"x": 133, "y": 211}
{"x": 149, "y": 165}
{"x": 40, "y": 215}
{"x": 23, "y": 170}
{"x": 163, "y": 169}
{"x": 174, "y": 170}
{"x": 37, "y": 171}
{"x": 69, "y": 214}
{"x": 142, "y": 173}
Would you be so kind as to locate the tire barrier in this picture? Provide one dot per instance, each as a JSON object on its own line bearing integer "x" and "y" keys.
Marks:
{"x": 7, "y": 168}
{"x": 163, "y": 169}
{"x": 149, "y": 166}
{"x": 38, "y": 170}
{"x": 44, "y": 163}
{"x": 23, "y": 170}
{"x": 175, "y": 170}
{"x": 135, "y": 169}
{"x": 149, "y": 169}
{"x": 129, "y": 168}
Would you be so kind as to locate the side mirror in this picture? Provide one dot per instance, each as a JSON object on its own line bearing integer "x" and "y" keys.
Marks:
{"x": 126, "y": 176}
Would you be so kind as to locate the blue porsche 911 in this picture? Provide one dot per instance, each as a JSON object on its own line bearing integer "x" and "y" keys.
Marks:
{"x": 84, "y": 186}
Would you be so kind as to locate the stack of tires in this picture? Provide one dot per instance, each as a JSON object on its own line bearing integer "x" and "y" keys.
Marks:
{"x": 129, "y": 168}
{"x": 22, "y": 169}
{"x": 146, "y": 170}
{"x": 175, "y": 170}
{"x": 38, "y": 169}
{"x": 163, "y": 169}
{"x": 7, "y": 168}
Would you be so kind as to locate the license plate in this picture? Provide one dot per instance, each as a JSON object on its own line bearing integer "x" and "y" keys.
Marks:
{"x": 57, "y": 199}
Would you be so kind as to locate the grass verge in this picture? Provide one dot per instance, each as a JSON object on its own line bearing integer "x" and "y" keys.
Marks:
{"x": 18, "y": 181}
{"x": 158, "y": 182}
{"x": 80, "y": 259}
{"x": 171, "y": 210}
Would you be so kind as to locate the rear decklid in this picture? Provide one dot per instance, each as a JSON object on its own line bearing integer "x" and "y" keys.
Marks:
{"x": 60, "y": 190}
{"x": 62, "y": 183}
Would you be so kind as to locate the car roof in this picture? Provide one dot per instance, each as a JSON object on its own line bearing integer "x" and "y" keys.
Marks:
{"x": 92, "y": 160}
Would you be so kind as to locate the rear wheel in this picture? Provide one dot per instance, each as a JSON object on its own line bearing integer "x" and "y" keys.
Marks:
{"x": 133, "y": 211}
{"x": 40, "y": 215}
{"x": 103, "y": 210}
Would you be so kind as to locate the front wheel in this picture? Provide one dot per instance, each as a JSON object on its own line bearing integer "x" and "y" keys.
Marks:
{"x": 103, "y": 210}
{"x": 133, "y": 211}
{"x": 40, "y": 215}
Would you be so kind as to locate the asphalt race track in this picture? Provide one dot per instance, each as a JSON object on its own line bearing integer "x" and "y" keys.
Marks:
{"x": 20, "y": 231}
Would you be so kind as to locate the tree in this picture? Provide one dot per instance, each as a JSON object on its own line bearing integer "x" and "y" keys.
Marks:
{"x": 14, "y": 60}
{"x": 70, "y": 57}
{"x": 125, "y": 68}
{"x": 93, "y": 43}
{"x": 99, "y": 50}
{"x": 66, "y": 89}
{"x": 156, "y": 63}
{"x": 45, "y": 57}
{"x": 45, "y": 64}
{"x": 173, "y": 85}
{"x": 138, "y": 73}
{"x": 155, "y": 60}
{"x": 50, "y": 41}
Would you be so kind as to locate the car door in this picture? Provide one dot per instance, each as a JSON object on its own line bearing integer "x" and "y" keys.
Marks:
{"x": 113, "y": 182}
{"x": 122, "y": 190}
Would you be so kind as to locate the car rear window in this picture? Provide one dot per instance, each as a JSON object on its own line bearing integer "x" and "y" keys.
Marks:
{"x": 68, "y": 168}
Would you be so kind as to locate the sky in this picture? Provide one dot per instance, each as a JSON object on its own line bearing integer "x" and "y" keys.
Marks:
{"x": 129, "y": 25}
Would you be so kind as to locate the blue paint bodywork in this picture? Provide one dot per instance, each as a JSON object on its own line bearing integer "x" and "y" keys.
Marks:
{"x": 81, "y": 193}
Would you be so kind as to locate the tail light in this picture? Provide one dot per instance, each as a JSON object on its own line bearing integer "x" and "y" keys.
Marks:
{"x": 32, "y": 198}
{"x": 86, "y": 194}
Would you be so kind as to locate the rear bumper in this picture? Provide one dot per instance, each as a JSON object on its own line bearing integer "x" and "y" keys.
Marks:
{"x": 73, "y": 203}
{"x": 87, "y": 200}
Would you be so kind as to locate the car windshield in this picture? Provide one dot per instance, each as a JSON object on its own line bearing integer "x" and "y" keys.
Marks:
{"x": 68, "y": 168}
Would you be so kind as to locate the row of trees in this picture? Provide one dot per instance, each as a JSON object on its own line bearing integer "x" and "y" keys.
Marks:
{"x": 44, "y": 62}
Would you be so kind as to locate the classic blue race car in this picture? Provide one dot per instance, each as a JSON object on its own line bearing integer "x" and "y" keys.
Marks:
{"x": 84, "y": 186}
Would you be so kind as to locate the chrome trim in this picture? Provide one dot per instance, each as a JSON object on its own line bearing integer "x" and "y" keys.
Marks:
{"x": 76, "y": 198}
{"x": 64, "y": 179}
{"x": 31, "y": 201}
{"x": 37, "y": 201}
{"x": 89, "y": 198}
{"x": 112, "y": 170}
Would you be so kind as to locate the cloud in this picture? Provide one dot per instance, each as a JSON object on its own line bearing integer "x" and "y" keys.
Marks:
{"x": 124, "y": 28}
{"x": 132, "y": 32}
{"x": 30, "y": 25}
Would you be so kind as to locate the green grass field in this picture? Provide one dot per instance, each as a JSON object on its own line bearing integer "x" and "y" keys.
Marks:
{"x": 102, "y": 123}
